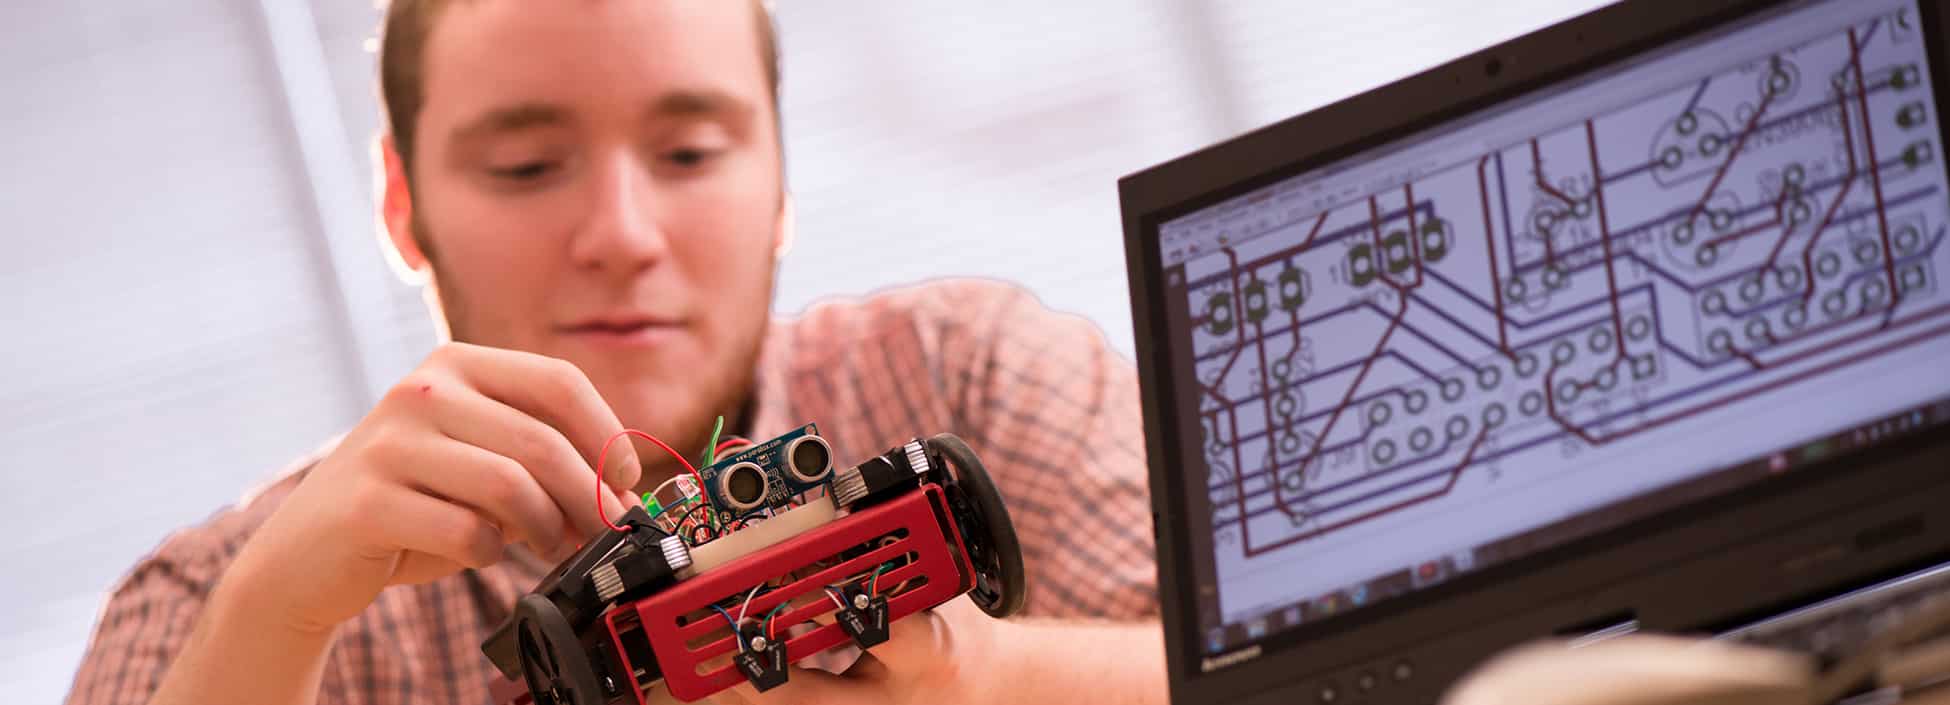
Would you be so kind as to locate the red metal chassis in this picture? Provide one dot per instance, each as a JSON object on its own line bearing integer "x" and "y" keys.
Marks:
{"x": 940, "y": 556}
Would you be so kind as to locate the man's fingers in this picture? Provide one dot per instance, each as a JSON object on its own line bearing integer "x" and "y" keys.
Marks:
{"x": 868, "y": 667}
{"x": 548, "y": 456}
{"x": 495, "y": 485}
{"x": 916, "y": 638}
{"x": 806, "y": 687}
{"x": 416, "y": 568}
{"x": 558, "y": 393}
{"x": 439, "y": 528}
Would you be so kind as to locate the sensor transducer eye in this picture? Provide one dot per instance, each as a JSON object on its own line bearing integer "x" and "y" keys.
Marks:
{"x": 744, "y": 486}
{"x": 809, "y": 459}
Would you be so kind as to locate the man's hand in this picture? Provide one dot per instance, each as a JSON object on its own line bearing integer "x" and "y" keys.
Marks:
{"x": 925, "y": 659}
{"x": 476, "y": 449}
{"x": 956, "y": 655}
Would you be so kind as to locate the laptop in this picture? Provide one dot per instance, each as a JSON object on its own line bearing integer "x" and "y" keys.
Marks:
{"x": 1637, "y": 322}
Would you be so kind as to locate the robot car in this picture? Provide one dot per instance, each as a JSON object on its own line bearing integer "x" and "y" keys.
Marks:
{"x": 770, "y": 556}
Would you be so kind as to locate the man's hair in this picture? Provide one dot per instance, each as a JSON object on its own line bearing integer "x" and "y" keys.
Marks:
{"x": 402, "y": 48}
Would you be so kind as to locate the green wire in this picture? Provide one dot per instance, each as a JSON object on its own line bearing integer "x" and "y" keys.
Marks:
{"x": 767, "y": 622}
{"x": 711, "y": 448}
{"x": 873, "y": 584}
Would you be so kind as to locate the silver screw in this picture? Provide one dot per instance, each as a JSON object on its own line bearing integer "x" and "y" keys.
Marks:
{"x": 758, "y": 643}
{"x": 860, "y": 602}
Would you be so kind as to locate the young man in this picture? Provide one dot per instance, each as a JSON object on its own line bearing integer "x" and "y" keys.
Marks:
{"x": 594, "y": 192}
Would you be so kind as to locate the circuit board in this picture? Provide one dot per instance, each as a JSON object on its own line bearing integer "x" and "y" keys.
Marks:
{"x": 775, "y": 482}
{"x": 1600, "y": 291}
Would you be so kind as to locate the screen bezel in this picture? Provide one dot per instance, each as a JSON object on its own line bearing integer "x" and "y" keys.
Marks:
{"x": 1538, "y": 60}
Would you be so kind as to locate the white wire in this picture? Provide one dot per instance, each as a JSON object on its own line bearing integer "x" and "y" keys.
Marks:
{"x": 654, "y": 494}
{"x": 835, "y": 599}
{"x": 736, "y": 638}
{"x": 748, "y": 602}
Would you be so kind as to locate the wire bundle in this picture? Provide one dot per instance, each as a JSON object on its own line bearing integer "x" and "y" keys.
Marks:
{"x": 700, "y": 523}
{"x": 687, "y": 524}
{"x": 836, "y": 593}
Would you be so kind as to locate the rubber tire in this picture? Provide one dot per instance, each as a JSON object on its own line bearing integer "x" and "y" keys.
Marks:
{"x": 552, "y": 660}
{"x": 994, "y": 549}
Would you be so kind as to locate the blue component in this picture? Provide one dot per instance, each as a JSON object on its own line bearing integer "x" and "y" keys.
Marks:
{"x": 773, "y": 459}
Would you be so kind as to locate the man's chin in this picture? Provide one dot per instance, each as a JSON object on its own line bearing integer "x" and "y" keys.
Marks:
{"x": 666, "y": 404}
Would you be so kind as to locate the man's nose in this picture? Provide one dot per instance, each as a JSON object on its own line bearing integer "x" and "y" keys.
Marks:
{"x": 619, "y": 230}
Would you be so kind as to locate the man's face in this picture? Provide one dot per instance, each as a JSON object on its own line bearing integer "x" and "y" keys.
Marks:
{"x": 599, "y": 181}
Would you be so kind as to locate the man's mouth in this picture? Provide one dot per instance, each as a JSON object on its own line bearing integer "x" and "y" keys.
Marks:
{"x": 628, "y": 330}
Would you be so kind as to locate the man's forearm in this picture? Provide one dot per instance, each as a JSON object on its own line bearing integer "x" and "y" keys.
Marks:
{"x": 238, "y": 655}
{"x": 1060, "y": 661}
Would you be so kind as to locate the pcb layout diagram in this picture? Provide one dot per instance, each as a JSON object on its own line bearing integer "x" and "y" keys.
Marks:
{"x": 1734, "y": 234}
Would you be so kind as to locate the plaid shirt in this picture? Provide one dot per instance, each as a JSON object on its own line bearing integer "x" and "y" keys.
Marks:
{"x": 1052, "y": 411}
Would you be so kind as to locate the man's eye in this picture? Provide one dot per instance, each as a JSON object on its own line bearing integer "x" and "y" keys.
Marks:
{"x": 525, "y": 171}
{"x": 689, "y": 157}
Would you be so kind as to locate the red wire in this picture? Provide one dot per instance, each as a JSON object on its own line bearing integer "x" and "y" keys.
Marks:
{"x": 602, "y": 461}
{"x": 772, "y": 622}
{"x": 730, "y": 443}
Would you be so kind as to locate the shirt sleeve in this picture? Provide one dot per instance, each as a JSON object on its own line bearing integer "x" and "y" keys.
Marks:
{"x": 1054, "y": 413}
{"x": 148, "y": 616}
{"x": 146, "y": 620}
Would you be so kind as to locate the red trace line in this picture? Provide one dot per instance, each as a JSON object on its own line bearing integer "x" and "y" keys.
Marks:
{"x": 1401, "y": 310}
{"x": 1295, "y": 315}
{"x": 1732, "y": 154}
{"x": 1239, "y": 481}
{"x": 1380, "y": 253}
{"x": 1266, "y": 411}
{"x": 1604, "y": 237}
{"x": 1774, "y": 341}
{"x": 1550, "y": 398}
{"x": 1320, "y": 441}
{"x": 1414, "y": 236}
{"x": 1875, "y": 171}
{"x": 1304, "y": 244}
{"x": 1239, "y": 345}
{"x": 1447, "y": 486}
{"x": 1212, "y": 389}
{"x": 1604, "y": 230}
{"x": 1496, "y": 277}
{"x": 1848, "y": 142}
{"x": 1744, "y": 232}
{"x": 1537, "y": 168}
{"x": 1786, "y": 233}
{"x": 1283, "y": 253}
{"x": 1748, "y": 357}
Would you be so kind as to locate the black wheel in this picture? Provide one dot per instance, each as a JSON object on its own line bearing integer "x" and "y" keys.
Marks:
{"x": 1001, "y": 586}
{"x": 552, "y": 659}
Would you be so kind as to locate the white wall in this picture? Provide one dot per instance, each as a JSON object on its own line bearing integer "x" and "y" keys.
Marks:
{"x": 169, "y": 331}
{"x": 194, "y": 293}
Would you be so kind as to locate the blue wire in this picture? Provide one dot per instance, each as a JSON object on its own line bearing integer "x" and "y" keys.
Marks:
{"x": 735, "y": 634}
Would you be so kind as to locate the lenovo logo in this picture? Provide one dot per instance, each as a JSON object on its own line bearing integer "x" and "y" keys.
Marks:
{"x": 1212, "y": 663}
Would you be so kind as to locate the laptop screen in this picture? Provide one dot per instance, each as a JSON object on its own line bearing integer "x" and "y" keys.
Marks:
{"x": 1638, "y": 288}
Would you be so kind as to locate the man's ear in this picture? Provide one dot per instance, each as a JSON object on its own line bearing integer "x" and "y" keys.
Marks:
{"x": 786, "y": 227}
{"x": 396, "y": 208}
